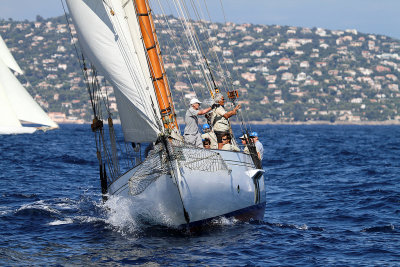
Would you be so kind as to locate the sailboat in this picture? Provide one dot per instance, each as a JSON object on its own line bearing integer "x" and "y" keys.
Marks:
{"x": 177, "y": 184}
{"x": 16, "y": 104}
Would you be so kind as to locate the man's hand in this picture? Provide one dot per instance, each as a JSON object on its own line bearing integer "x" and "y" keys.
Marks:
{"x": 236, "y": 108}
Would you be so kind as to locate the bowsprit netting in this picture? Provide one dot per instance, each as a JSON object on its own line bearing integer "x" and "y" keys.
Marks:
{"x": 199, "y": 159}
{"x": 150, "y": 170}
{"x": 158, "y": 163}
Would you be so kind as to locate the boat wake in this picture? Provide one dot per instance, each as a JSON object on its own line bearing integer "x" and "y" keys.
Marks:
{"x": 128, "y": 216}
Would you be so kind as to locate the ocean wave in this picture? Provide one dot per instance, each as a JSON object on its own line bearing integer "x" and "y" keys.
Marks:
{"x": 380, "y": 229}
{"x": 36, "y": 209}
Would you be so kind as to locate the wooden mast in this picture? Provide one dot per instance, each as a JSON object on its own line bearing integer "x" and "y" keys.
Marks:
{"x": 156, "y": 64}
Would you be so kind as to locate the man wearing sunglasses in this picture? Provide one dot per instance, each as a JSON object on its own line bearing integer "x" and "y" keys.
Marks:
{"x": 227, "y": 143}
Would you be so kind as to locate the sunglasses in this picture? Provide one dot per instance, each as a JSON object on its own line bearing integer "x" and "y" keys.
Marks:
{"x": 223, "y": 139}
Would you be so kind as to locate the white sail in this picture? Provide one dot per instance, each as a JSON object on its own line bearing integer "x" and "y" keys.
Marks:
{"x": 114, "y": 46}
{"x": 8, "y": 117}
{"x": 25, "y": 108}
{"x": 9, "y": 123}
{"x": 7, "y": 57}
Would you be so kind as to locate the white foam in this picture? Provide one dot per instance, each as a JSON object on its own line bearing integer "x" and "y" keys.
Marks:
{"x": 38, "y": 205}
{"x": 4, "y": 212}
{"x": 66, "y": 206}
{"x": 120, "y": 213}
{"x": 225, "y": 221}
{"x": 303, "y": 227}
{"x": 59, "y": 222}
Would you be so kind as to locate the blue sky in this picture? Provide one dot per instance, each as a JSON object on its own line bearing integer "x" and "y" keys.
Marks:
{"x": 368, "y": 16}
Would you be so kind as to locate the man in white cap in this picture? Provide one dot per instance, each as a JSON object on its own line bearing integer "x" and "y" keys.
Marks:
{"x": 192, "y": 134}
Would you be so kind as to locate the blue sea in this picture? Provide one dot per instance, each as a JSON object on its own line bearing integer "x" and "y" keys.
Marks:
{"x": 333, "y": 199}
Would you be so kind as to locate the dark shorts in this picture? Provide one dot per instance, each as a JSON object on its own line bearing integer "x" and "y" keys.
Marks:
{"x": 219, "y": 135}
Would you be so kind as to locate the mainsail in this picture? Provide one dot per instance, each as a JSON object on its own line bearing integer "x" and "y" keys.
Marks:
{"x": 109, "y": 36}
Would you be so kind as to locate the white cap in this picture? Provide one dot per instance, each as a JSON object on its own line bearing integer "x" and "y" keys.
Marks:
{"x": 243, "y": 136}
{"x": 194, "y": 101}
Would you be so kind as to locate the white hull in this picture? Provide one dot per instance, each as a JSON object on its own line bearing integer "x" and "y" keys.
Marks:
{"x": 205, "y": 195}
{"x": 17, "y": 130}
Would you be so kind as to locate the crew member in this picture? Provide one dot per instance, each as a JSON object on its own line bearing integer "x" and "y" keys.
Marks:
{"x": 257, "y": 143}
{"x": 220, "y": 116}
{"x": 207, "y": 143}
{"x": 210, "y": 135}
{"x": 244, "y": 138}
{"x": 227, "y": 143}
{"x": 191, "y": 133}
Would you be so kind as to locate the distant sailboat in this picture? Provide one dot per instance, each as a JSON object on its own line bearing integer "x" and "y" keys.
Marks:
{"x": 16, "y": 104}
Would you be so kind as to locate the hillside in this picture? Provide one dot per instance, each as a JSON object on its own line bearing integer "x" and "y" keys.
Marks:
{"x": 282, "y": 73}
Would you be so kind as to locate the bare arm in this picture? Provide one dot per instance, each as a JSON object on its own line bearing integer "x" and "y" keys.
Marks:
{"x": 232, "y": 112}
{"x": 204, "y": 111}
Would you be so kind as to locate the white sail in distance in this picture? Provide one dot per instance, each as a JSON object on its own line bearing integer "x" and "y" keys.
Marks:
{"x": 109, "y": 35}
{"x": 7, "y": 57}
{"x": 8, "y": 118}
{"x": 25, "y": 108}
{"x": 9, "y": 123}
